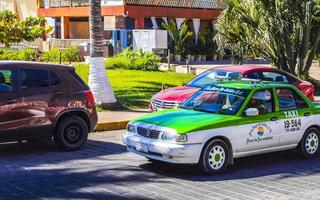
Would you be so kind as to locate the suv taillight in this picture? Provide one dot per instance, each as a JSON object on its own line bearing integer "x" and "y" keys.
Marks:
{"x": 90, "y": 96}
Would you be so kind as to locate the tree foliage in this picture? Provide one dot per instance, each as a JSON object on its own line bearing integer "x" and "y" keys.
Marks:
{"x": 13, "y": 30}
{"x": 284, "y": 32}
{"x": 178, "y": 36}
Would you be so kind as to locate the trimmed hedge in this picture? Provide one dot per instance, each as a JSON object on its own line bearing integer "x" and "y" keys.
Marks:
{"x": 134, "y": 60}
{"x": 22, "y": 55}
{"x": 70, "y": 54}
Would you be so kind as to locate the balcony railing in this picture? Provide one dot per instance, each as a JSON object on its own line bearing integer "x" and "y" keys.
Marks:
{"x": 206, "y": 4}
{"x": 63, "y": 3}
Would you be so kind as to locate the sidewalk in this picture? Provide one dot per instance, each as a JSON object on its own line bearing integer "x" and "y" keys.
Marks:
{"x": 116, "y": 120}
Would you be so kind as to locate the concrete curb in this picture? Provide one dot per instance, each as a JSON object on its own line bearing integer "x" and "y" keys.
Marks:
{"x": 111, "y": 126}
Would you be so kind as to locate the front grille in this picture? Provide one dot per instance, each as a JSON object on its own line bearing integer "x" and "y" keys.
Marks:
{"x": 153, "y": 134}
{"x": 159, "y": 104}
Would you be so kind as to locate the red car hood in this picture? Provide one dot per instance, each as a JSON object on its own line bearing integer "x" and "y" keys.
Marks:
{"x": 179, "y": 94}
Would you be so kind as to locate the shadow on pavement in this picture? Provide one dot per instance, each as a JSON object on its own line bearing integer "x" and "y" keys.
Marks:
{"x": 281, "y": 164}
{"x": 39, "y": 170}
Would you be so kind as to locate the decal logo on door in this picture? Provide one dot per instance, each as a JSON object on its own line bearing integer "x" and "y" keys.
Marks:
{"x": 260, "y": 133}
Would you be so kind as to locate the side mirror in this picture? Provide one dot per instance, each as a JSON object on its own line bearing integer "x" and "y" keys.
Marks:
{"x": 250, "y": 112}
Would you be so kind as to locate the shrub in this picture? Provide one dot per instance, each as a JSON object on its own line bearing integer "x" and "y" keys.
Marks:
{"x": 23, "y": 55}
{"x": 118, "y": 62}
{"x": 134, "y": 60}
{"x": 53, "y": 55}
{"x": 67, "y": 55}
{"x": 71, "y": 54}
{"x": 28, "y": 55}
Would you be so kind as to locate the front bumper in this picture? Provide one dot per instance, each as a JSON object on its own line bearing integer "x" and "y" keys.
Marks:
{"x": 162, "y": 151}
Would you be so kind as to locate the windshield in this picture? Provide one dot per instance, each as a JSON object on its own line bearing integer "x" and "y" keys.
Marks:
{"x": 218, "y": 100}
{"x": 212, "y": 76}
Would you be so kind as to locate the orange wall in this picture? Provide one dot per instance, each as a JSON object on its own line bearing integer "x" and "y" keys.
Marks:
{"x": 132, "y": 11}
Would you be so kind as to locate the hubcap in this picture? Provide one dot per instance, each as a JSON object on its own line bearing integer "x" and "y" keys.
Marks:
{"x": 217, "y": 157}
{"x": 312, "y": 143}
{"x": 72, "y": 134}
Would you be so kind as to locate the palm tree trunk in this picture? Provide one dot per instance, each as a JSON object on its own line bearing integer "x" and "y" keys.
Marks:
{"x": 98, "y": 80}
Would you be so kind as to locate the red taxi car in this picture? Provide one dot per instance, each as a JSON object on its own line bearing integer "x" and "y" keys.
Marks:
{"x": 173, "y": 97}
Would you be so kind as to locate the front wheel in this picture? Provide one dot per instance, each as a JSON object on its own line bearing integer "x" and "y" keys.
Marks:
{"x": 71, "y": 134}
{"x": 215, "y": 157}
{"x": 309, "y": 145}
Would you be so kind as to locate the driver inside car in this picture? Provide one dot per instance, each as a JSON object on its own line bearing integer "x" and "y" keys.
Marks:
{"x": 262, "y": 100}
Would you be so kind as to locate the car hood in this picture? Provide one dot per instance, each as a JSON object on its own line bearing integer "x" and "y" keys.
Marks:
{"x": 179, "y": 94}
{"x": 186, "y": 121}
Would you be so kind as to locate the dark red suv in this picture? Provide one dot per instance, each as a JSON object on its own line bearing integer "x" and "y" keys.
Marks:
{"x": 40, "y": 101}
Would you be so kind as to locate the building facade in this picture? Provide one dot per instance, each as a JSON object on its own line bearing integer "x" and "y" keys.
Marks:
{"x": 72, "y": 15}
{"x": 23, "y": 8}
{"x": 122, "y": 16}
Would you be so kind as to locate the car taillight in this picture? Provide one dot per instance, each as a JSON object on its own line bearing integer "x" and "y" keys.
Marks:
{"x": 90, "y": 96}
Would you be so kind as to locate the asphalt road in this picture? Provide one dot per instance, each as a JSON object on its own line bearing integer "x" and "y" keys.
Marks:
{"x": 104, "y": 170}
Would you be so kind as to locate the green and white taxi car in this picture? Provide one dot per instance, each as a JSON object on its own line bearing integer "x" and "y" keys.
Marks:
{"x": 228, "y": 120}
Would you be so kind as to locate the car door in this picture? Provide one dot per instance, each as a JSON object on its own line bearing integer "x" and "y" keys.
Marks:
{"x": 37, "y": 97}
{"x": 294, "y": 114}
{"x": 263, "y": 130}
{"x": 10, "y": 115}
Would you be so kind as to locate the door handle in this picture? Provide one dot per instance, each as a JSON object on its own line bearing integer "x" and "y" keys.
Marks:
{"x": 274, "y": 119}
{"x": 307, "y": 114}
{"x": 57, "y": 92}
{"x": 11, "y": 101}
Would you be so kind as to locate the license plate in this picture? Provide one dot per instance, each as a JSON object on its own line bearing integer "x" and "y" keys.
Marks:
{"x": 142, "y": 147}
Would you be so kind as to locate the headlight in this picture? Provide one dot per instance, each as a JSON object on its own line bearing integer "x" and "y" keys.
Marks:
{"x": 131, "y": 128}
{"x": 173, "y": 137}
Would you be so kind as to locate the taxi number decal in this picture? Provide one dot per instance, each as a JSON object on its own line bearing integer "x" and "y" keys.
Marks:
{"x": 292, "y": 125}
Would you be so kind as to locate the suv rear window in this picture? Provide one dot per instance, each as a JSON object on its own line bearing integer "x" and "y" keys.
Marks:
{"x": 34, "y": 78}
{"x": 75, "y": 75}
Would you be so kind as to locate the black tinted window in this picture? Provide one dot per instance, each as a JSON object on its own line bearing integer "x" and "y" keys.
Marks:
{"x": 34, "y": 78}
{"x": 275, "y": 77}
{"x": 290, "y": 100}
{"x": 54, "y": 79}
{"x": 5, "y": 81}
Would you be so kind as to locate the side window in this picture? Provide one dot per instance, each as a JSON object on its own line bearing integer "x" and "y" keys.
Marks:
{"x": 54, "y": 79}
{"x": 263, "y": 101}
{"x": 253, "y": 75}
{"x": 290, "y": 100}
{"x": 5, "y": 81}
{"x": 275, "y": 77}
{"x": 34, "y": 78}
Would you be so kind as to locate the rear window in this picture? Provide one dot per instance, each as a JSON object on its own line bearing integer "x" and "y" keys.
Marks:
{"x": 77, "y": 77}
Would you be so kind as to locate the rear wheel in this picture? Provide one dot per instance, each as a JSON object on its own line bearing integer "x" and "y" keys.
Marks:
{"x": 309, "y": 145}
{"x": 215, "y": 157}
{"x": 71, "y": 133}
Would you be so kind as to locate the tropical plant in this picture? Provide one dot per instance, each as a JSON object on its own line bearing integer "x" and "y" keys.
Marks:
{"x": 134, "y": 60}
{"x": 13, "y": 30}
{"x": 98, "y": 80}
{"x": 286, "y": 33}
{"x": 179, "y": 36}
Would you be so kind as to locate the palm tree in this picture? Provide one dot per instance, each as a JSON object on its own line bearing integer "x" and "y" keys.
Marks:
{"x": 98, "y": 80}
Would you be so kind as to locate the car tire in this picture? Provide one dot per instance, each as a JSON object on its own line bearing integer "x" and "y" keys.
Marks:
{"x": 71, "y": 133}
{"x": 309, "y": 146}
{"x": 215, "y": 157}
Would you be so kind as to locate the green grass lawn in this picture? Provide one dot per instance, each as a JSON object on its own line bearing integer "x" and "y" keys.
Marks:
{"x": 134, "y": 89}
